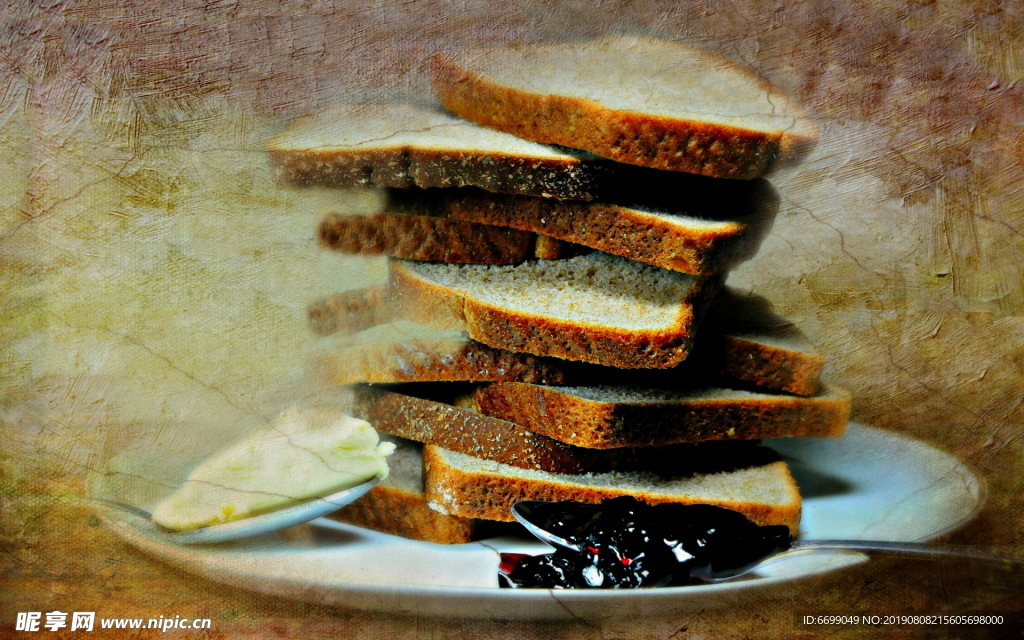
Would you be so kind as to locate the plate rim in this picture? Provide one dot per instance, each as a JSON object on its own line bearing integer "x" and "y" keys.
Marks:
{"x": 153, "y": 547}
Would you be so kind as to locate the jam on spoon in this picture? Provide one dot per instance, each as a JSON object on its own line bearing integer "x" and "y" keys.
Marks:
{"x": 625, "y": 543}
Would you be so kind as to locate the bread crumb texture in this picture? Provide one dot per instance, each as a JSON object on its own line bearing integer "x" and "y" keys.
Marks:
{"x": 635, "y": 99}
{"x": 595, "y": 289}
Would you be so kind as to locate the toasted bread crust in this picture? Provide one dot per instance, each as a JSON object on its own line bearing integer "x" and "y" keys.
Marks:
{"x": 490, "y": 494}
{"x": 423, "y": 301}
{"x": 587, "y": 422}
{"x": 659, "y": 143}
{"x": 792, "y": 371}
{"x": 621, "y": 230}
{"x": 515, "y": 331}
{"x": 759, "y": 365}
{"x": 735, "y": 357}
{"x": 750, "y": 343}
{"x": 422, "y": 238}
{"x": 406, "y": 514}
{"x": 569, "y": 111}
{"x": 437, "y": 239}
{"x": 548, "y": 248}
{"x": 351, "y": 311}
{"x": 399, "y": 412}
{"x": 431, "y": 304}
{"x": 404, "y": 167}
{"x": 402, "y": 146}
{"x": 468, "y": 432}
{"x": 448, "y": 361}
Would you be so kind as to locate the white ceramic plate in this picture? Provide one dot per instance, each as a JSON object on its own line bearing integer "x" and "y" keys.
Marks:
{"x": 870, "y": 484}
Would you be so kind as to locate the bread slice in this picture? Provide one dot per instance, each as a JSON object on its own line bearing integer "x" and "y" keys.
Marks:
{"x": 431, "y": 414}
{"x": 419, "y": 238}
{"x": 400, "y": 412}
{"x": 742, "y": 341}
{"x": 629, "y": 415}
{"x": 746, "y": 341}
{"x": 351, "y": 311}
{"x": 594, "y": 308}
{"x": 635, "y": 99}
{"x": 403, "y": 351}
{"x": 397, "y": 145}
{"x": 759, "y": 486}
{"x": 435, "y": 239}
{"x": 703, "y": 230}
{"x": 398, "y": 505}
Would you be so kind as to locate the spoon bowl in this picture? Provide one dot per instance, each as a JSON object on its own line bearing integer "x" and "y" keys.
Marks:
{"x": 540, "y": 518}
{"x": 250, "y": 526}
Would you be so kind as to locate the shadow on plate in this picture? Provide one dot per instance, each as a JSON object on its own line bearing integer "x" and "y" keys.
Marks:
{"x": 815, "y": 484}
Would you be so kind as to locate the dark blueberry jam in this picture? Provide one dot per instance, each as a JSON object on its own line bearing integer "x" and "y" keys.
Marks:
{"x": 625, "y": 543}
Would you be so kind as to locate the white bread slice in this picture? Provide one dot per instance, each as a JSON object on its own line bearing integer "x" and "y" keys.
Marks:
{"x": 630, "y": 415}
{"x": 701, "y": 231}
{"x": 594, "y": 308}
{"x": 760, "y": 487}
{"x": 635, "y": 99}
{"x": 396, "y": 353}
{"x": 754, "y": 345}
{"x": 742, "y": 340}
{"x": 398, "y": 506}
{"x": 397, "y": 145}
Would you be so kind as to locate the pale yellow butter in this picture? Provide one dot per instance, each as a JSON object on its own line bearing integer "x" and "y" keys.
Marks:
{"x": 303, "y": 454}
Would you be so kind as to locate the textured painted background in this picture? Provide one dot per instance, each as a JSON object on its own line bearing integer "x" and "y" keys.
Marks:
{"x": 154, "y": 279}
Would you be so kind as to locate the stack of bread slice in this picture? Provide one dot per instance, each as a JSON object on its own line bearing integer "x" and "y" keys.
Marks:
{"x": 556, "y": 323}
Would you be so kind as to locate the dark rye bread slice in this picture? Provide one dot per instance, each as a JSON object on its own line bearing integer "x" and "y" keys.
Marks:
{"x": 742, "y": 341}
{"x": 705, "y": 228}
{"x": 430, "y": 414}
{"x": 398, "y": 506}
{"x": 761, "y": 487}
{"x": 435, "y": 239}
{"x": 399, "y": 145}
{"x": 400, "y": 412}
{"x": 635, "y": 99}
{"x": 629, "y": 415}
{"x": 595, "y": 308}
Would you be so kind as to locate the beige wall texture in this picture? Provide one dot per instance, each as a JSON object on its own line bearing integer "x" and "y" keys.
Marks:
{"x": 155, "y": 279}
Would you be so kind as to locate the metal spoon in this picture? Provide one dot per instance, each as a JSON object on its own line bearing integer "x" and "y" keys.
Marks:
{"x": 244, "y": 527}
{"x": 527, "y": 512}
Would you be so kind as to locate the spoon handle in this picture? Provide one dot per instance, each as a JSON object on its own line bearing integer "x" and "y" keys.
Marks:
{"x": 142, "y": 513}
{"x": 901, "y": 548}
{"x": 249, "y": 526}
